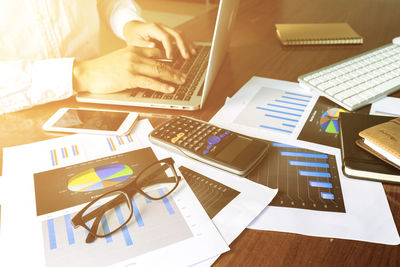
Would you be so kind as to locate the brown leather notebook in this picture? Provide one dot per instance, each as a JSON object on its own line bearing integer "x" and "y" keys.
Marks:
{"x": 317, "y": 33}
{"x": 383, "y": 141}
{"x": 357, "y": 162}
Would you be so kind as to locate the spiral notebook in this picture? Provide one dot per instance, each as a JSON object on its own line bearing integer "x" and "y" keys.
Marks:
{"x": 317, "y": 34}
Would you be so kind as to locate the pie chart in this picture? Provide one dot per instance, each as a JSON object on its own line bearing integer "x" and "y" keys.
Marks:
{"x": 329, "y": 120}
{"x": 99, "y": 177}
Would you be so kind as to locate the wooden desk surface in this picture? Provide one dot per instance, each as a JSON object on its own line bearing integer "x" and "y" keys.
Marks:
{"x": 256, "y": 50}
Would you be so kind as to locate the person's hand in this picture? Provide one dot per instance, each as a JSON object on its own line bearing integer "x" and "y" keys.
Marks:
{"x": 138, "y": 33}
{"x": 129, "y": 67}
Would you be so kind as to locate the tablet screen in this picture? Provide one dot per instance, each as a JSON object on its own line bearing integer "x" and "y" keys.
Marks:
{"x": 91, "y": 119}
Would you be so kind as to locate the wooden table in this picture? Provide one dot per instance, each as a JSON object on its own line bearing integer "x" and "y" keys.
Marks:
{"x": 256, "y": 50}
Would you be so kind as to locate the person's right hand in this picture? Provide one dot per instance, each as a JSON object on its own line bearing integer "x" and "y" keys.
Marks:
{"x": 129, "y": 67}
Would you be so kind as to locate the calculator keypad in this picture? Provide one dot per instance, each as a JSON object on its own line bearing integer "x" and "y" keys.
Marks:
{"x": 196, "y": 136}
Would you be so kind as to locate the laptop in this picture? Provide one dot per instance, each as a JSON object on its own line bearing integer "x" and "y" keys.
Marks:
{"x": 201, "y": 71}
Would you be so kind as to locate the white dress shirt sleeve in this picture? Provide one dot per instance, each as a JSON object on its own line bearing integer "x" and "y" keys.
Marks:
{"x": 24, "y": 83}
{"x": 118, "y": 13}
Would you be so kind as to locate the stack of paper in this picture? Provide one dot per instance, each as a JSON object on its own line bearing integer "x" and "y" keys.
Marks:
{"x": 314, "y": 197}
{"x": 173, "y": 232}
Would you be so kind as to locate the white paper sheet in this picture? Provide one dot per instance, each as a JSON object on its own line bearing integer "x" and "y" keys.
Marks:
{"x": 388, "y": 106}
{"x": 367, "y": 217}
{"x": 242, "y": 210}
{"x": 268, "y": 108}
{"x": 23, "y": 238}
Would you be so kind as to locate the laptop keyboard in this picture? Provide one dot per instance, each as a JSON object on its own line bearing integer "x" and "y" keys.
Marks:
{"x": 360, "y": 80}
{"x": 194, "y": 67}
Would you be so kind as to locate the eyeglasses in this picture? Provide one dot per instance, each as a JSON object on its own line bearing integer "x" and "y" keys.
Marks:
{"x": 111, "y": 211}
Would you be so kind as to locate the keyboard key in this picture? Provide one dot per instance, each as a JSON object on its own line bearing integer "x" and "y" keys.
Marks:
{"x": 333, "y": 91}
{"x": 350, "y": 102}
{"x": 364, "y": 96}
{"x": 194, "y": 67}
{"x": 315, "y": 81}
{"x": 325, "y": 86}
{"x": 345, "y": 94}
{"x": 357, "y": 99}
{"x": 359, "y": 88}
{"x": 148, "y": 93}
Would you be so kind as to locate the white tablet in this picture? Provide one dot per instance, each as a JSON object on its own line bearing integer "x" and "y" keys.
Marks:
{"x": 92, "y": 121}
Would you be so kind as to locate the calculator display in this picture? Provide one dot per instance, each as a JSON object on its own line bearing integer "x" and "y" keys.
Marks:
{"x": 230, "y": 152}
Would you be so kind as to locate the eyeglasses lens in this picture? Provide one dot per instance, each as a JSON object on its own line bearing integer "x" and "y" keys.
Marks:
{"x": 158, "y": 180}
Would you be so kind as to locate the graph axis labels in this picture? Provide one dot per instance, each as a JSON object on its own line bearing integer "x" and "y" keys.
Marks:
{"x": 305, "y": 179}
{"x": 213, "y": 196}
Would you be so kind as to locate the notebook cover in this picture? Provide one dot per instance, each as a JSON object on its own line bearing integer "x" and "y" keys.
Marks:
{"x": 360, "y": 143}
{"x": 385, "y": 135}
{"x": 353, "y": 156}
{"x": 317, "y": 33}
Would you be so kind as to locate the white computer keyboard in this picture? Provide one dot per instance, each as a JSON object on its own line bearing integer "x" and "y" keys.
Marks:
{"x": 360, "y": 80}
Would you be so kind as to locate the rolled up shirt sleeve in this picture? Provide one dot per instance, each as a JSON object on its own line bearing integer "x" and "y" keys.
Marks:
{"x": 28, "y": 83}
{"x": 119, "y": 12}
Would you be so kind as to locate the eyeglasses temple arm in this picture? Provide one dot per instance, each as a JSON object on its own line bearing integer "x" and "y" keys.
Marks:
{"x": 91, "y": 237}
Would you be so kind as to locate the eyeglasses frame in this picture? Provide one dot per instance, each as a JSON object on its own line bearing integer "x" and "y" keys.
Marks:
{"x": 128, "y": 191}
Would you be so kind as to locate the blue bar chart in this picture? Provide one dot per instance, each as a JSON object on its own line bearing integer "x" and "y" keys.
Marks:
{"x": 306, "y": 179}
{"x": 274, "y": 110}
{"x": 155, "y": 224}
{"x": 64, "y": 154}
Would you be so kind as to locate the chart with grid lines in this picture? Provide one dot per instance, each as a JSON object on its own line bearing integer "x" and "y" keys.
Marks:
{"x": 305, "y": 178}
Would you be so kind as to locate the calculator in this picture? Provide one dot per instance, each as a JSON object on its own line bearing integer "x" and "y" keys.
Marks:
{"x": 210, "y": 144}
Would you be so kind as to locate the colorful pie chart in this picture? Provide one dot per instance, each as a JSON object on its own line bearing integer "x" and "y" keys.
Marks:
{"x": 99, "y": 177}
{"x": 329, "y": 120}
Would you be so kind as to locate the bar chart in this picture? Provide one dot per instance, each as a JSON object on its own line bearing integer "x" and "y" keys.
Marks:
{"x": 116, "y": 142}
{"x": 63, "y": 154}
{"x": 154, "y": 224}
{"x": 274, "y": 110}
{"x": 306, "y": 179}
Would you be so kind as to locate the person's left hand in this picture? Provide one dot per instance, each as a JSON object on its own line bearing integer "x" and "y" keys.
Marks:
{"x": 139, "y": 33}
